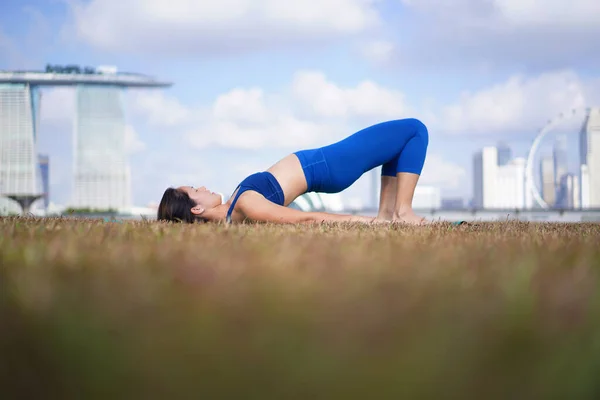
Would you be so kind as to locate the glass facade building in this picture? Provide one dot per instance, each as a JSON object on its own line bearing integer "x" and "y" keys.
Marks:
{"x": 19, "y": 110}
{"x": 100, "y": 167}
{"x": 44, "y": 164}
{"x": 590, "y": 158}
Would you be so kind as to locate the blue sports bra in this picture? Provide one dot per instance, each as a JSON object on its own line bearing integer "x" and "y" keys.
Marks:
{"x": 263, "y": 183}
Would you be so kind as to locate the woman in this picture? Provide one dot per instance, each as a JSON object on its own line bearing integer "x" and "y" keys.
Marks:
{"x": 399, "y": 146}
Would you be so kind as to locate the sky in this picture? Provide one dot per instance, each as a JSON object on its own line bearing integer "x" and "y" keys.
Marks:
{"x": 254, "y": 80}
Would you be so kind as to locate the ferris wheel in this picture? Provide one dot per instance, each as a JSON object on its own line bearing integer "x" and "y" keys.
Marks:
{"x": 549, "y": 127}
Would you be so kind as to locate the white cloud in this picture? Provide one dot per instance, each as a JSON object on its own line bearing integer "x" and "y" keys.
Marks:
{"x": 311, "y": 111}
{"x": 250, "y": 119}
{"x": 534, "y": 34}
{"x": 282, "y": 131}
{"x": 241, "y": 105}
{"x": 441, "y": 173}
{"x": 9, "y": 53}
{"x": 516, "y": 13}
{"x": 377, "y": 51}
{"x": 133, "y": 144}
{"x": 545, "y": 12}
{"x": 367, "y": 99}
{"x": 57, "y": 107}
{"x": 159, "y": 109}
{"x": 241, "y": 118}
{"x": 517, "y": 105}
{"x": 179, "y": 26}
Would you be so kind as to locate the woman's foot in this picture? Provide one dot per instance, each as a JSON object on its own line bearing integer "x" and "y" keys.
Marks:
{"x": 410, "y": 218}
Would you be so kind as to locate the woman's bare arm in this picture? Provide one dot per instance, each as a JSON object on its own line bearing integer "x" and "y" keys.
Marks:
{"x": 257, "y": 208}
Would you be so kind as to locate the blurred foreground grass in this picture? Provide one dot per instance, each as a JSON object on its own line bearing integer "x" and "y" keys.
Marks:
{"x": 94, "y": 310}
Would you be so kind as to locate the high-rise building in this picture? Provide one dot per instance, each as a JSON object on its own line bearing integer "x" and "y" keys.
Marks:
{"x": 560, "y": 159}
{"x": 375, "y": 187}
{"x": 101, "y": 170}
{"x": 19, "y": 105}
{"x": 590, "y": 157}
{"x": 584, "y": 185}
{"x": 547, "y": 180}
{"x": 427, "y": 197}
{"x": 504, "y": 153}
{"x": 44, "y": 168}
{"x": 453, "y": 203}
{"x": 575, "y": 191}
{"x": 510, "y": 185}
{"x": 568, "y": 190}
{"x": 485, "y": 171}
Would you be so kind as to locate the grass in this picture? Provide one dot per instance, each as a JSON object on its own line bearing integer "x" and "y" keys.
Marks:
{"x": 95, "y": 310}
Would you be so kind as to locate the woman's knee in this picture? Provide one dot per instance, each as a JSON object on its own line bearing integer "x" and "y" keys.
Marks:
{"x": 417, "y": 124}
{"x": 420, "y": 129}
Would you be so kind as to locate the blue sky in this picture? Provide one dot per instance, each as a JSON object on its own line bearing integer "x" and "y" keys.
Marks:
{"x": 257, "y": 79}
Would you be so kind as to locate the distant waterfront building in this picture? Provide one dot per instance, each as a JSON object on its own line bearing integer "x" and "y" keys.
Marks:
{"x": 560, "y": 158}
{"x": 427, "y": 197}
{"x": 44, "y": 168}
{"x": 590, "y": 157}
{"x": 101, "y": 169}
{"x": 375, "y": 186}
{"x": 18, "y": 131}
{"x": 574, "y": 196}
{"x": 312, "y": 201}
{"x": 485, "y": 171}
{"x": 504, "y": 154}
{"x": 510, "y": 185}
{"x": 547, "y": 180}
{"x": 584, "y": 183}
{"x": 453, "y": 203}
{"x": 499, "y": 186}
{"x": 568, "y": 192}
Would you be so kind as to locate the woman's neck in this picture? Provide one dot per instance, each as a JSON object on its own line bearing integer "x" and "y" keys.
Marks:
{"x": 216, "y": 214}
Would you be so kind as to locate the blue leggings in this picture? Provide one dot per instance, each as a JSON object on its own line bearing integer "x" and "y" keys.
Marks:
{"x": 399, "y": 146}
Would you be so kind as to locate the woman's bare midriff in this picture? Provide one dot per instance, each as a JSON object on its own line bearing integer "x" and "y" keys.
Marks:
{"x": 288, "y": 172}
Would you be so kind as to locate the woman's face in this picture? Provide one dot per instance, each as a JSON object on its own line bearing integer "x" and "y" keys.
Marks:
{"x": 202, "y": 196}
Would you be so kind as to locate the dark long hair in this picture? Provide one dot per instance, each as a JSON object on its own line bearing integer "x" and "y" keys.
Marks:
{"x": 176, "y": 206}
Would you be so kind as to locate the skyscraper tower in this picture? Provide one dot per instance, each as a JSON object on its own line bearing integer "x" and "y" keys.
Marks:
{"x": 504, "y": 154}
{"x": 101, "y": 171}
{"x": 560, "y": 158}
{"x": 485, "y": 171}
{"x": 375, "y": 187}
{"x": 18, "y": 156}
{"x": 590, "y": 158}
{"x": 44, "y": 167}
{"x": 547, "y": 180}
{"x": 560, "y": 166}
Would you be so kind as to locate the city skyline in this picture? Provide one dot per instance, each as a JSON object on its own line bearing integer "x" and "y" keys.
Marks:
{"x": 242, "y": 101}
{"x": 503, "y": 182}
